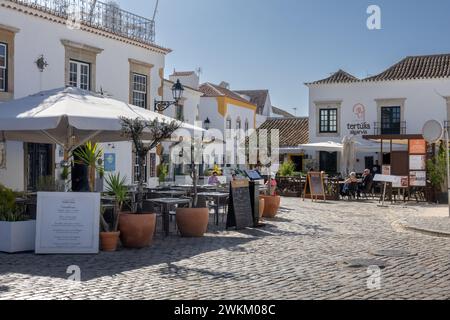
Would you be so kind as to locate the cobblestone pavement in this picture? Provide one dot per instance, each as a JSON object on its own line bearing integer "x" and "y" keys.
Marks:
{"x": 311, "y": 251}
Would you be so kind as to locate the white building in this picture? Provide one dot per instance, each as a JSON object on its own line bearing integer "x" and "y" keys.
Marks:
{"x": 260, "y": 98}
{"x": 393, "y": 104}
{"x": 101, "y": 53}
{"x": 227, "y": 110}
{"x": 186, "y": 110}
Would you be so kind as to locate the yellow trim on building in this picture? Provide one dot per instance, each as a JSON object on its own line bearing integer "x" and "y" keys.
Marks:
{"x": 223, "y": 102}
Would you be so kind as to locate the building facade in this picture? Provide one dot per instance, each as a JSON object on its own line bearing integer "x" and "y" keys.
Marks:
{"x": 226, "y": 110}
{"x": 395, "y": 103}
{"x": 103, "y": 52}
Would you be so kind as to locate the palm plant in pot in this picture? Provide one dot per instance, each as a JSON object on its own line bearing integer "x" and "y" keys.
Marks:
{"x": 137, "y": 227}
{"x": 109, "y": 237}
{"x": 193, "y": 222}
{"x": 91, "y": 156}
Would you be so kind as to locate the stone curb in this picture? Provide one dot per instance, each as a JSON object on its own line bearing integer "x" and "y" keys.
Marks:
{"x": 428, "y": 232}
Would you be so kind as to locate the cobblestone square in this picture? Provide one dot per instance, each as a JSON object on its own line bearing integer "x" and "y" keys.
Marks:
{"x": 310, "y": 251}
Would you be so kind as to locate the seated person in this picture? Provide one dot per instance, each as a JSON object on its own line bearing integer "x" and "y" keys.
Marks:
{"x": 348, "y": 184}
{"x": 214, "y": 180}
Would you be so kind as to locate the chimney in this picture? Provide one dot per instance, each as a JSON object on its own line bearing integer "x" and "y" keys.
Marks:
{"x": 225, "y": 85}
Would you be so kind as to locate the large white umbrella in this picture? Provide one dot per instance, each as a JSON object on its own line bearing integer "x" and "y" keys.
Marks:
{"x": 70, "y": 117}
{"x": 323, "y": 146}
{"x": 348, "y": 154}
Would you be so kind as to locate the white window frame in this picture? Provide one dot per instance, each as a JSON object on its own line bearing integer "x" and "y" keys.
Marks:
{"x": 142, "y": 104}
{"x": 4, "y": 69}
{"x": 78, "y": 75}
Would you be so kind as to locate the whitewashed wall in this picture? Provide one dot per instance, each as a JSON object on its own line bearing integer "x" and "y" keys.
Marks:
{"x": 39, "y": 36}
{"x": 424, "y": 101}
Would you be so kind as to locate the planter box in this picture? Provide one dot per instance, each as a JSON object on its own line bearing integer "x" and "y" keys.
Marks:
{"x": 17, "y": 236}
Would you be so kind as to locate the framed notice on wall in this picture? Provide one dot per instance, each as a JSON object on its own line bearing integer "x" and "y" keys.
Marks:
{"x": 418, "y": 178}
{"x": 417, "y": 162}
{"x": 68, "y": 223}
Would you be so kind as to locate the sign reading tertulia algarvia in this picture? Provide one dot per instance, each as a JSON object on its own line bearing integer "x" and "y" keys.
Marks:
{"x": 359, "y": 128}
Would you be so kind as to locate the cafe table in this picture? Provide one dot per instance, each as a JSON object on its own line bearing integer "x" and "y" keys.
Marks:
{"x": 171, "y": 193}
{"x": 217, "y": 196}
{"x": 166, "y": 204}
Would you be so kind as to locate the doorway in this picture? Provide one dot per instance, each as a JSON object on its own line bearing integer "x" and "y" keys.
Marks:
{"x": 328, "y": 161}
{"x": 298, "y": 163}
{"x": 39, "y": 164}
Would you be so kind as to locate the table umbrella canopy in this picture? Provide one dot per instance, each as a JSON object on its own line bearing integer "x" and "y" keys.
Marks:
{"x": 70, "y": 117}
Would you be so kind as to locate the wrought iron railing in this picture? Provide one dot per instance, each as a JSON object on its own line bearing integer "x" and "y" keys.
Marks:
{"x": 104, "y": 16}
{"x": 389, "y": 128}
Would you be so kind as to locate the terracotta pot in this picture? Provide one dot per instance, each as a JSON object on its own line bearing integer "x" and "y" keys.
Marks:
{"x": 137, "y": 230}
{"x": 109, "y": 241}
{"x": 271, "y": 206}
{"x": 262, "y": 203}
{"x": 192, "y": 222}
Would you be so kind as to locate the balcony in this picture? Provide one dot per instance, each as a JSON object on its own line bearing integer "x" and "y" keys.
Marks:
{"x": 389, "y": 128}
{"x": 104, "y": 16}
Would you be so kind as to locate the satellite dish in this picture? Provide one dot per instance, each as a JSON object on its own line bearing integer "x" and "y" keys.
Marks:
{"x": 432, "y": 131}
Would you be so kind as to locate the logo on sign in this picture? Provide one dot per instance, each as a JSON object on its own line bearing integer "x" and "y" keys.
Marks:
{"x": 360, "y": 127}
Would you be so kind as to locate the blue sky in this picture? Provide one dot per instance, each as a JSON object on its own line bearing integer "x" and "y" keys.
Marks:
{"x": 281, "y": 44}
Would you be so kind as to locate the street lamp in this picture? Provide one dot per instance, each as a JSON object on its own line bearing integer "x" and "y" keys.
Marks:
{"x": 177, "y": 93}
{"x": 206, "y": 124}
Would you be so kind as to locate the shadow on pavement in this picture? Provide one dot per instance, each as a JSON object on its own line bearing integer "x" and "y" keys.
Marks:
{"x": 163, "y": 251}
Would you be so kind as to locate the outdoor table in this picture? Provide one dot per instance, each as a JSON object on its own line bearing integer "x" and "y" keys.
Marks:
{"x": 166, "y": 203}
{"x": 217, "y": 196}
{"x": 172, "y": 193}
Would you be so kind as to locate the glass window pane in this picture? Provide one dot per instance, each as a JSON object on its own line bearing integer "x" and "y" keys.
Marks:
{"x": 2, "y": 80}
{"x": 3, "y": 55}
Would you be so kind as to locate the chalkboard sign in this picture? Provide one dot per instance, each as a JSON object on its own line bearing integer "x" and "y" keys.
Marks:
{"x": 240, "y": 214}
{"x": 315, "y": 183}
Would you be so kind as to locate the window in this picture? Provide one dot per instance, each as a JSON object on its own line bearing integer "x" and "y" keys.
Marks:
{"x": 3, "y": 67}
{"x": 246, "y": 127}
{"x": 136, "y": 168}
{"x": 228, "y": 129}
{"x": 139, "y": 90}
{"x": 79, "y": 75}
{"x": 238, "y": 127}
{"x": 390, "y": 120}
{"x": 153, "y": 165}
{"x": 328, "y": 120}
{"x": 328, "y": 161}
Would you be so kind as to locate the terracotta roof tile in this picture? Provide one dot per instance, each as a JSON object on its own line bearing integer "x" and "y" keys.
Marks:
{"x": 257, "y": 97}
{"x": 293, "y": 131}
{"x": 338, "y": 77}
{"x": 212, "y": 90}
{"x": 418, "y": 67}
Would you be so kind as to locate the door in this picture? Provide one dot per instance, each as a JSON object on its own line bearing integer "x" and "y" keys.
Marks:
{"x": 390, "y": 120}
{"x": 400, "y": 163}
{"x": 298, "y": 162}
{"x": 369, "y": 163}
{"x": 328, "y": 162}
{"x": 39, "y": 163}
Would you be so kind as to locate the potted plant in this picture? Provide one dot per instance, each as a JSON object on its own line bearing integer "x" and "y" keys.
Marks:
{"x": 91, "y": 156}
{"x": 17, "y": 231}
{"x": 109, "y": 236}
{"x": 193, "y": 222}
{"x": 137, "y": 227}
{"x": 437, "y": 173}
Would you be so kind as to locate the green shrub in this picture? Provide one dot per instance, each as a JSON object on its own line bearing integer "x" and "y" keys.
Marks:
{"x": 287, "y": 169}
{"x": 9, "y": 211}
{"x": 437, "y": 169}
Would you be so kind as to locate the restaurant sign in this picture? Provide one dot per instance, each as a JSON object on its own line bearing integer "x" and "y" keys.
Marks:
{"x": 360, "y": 126}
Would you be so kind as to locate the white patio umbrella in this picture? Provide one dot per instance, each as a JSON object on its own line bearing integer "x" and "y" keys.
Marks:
{"x": 70, "y": 117}
{"x": 348, "y": 154}
{"x": 322, "y": 146}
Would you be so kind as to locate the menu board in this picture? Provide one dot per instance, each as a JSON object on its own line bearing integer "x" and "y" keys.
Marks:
{"x": 67, "y": 223}
{"x": 417, "y": 146}
{"x": 401, "y": 182}
{"x": 417, "y": 162}
{"x": 315, "y": 183}
{"x": 386, "y": 170}
{"x": 418, "y": 178}
{"x": 240, "y": 213}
